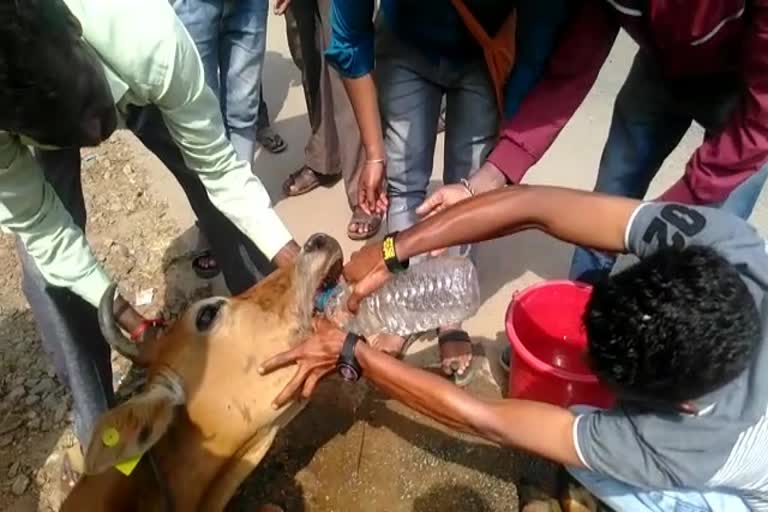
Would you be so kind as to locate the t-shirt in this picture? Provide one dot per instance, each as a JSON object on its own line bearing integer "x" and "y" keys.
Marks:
{"x": 724, "y": 446}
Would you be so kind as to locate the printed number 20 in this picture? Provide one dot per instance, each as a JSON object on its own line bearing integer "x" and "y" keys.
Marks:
{"x": 689, "y": 221}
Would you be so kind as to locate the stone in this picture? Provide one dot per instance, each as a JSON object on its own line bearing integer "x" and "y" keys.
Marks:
{"x": 16, "y": 393}
{"x": 11, "y": 423}
{"x": 31, "y": 400}
{"x": 60, "y": 412}
{"x": 14, "y": 470}
{"x": 20, "y": 485}
{"x": 34, "y": 424}
{"x": 45, "y": 385}
{"x": 5, "y": 441}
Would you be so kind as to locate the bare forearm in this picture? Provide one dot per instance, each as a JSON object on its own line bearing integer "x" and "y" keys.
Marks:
{"x": 419, "y": 389}
{"x": 581, "y": 218}
{"x": 542, "y": 429}
{"x": 362, "y": 95}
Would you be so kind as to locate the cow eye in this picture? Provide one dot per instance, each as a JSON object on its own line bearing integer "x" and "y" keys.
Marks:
{"x": 206, "y": 315}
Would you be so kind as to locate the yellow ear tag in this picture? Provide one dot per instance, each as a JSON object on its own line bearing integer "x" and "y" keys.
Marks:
{"x": 127, "y": 467}
{"x": 110, "y": 437}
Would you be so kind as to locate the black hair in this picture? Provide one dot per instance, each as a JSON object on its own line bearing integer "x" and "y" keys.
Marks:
{"x": 52, "y": 85}
{"x": 679, "y": 324}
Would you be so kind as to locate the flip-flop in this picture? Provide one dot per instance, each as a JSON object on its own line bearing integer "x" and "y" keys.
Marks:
{"x": 452, "y": 336}
{"x": 270, "y": 140}
{"x": 204, "y": 271}
{"x": 306, "y": 180}
{"x": 504, "y": 358}
{"x": 359, "y": 217}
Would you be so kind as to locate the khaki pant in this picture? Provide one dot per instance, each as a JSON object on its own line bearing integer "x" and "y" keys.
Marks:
{"x": 334, "y": 146}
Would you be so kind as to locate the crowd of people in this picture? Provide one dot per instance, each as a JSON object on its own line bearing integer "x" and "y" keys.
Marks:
{"x": 679, "y": 336}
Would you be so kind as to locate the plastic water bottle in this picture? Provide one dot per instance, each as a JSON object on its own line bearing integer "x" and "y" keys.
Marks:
{"x": 436, "y": 292}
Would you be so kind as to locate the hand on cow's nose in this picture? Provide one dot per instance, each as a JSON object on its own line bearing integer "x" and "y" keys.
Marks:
{"x": 141, "y": 330}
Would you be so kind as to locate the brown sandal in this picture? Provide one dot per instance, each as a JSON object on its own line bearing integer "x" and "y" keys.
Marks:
{"x": 305, "y": 180}
{"x": 360, "y": 218}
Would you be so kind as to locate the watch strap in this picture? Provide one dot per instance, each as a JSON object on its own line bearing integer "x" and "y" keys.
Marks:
{"x": 389, "y": 254}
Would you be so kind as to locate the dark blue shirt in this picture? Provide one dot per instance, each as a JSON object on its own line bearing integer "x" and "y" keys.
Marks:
{"x": 436, "y": 29}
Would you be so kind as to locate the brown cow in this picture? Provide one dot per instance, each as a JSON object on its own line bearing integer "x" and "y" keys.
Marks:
{"x": 205, "y": 411}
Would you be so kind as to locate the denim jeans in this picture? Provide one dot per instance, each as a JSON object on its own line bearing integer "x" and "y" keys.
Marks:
{"x": 411, "y": 90}
{"x": 623, "y": 497}
{"x": 230, "y": 36}
{"x": 650, "y": 118}
{"x": 67, "y": 324}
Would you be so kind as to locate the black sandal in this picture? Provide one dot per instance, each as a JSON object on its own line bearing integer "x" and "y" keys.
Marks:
{"x": 205, "y": 270}
{"x": 453, "y": 336}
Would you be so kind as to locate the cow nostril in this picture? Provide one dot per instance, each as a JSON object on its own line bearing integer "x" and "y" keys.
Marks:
{"x": 316, "y": 242}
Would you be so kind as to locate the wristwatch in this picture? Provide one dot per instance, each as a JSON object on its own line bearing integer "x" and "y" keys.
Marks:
{"x": 347, "y": 365}
{"x": 390, "y": 255}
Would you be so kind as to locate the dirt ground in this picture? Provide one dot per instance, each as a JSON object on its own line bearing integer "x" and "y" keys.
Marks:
{"x": 350, "y": 450}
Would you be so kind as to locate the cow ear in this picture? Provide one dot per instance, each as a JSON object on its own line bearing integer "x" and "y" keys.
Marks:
{"x": 132, "y": 428}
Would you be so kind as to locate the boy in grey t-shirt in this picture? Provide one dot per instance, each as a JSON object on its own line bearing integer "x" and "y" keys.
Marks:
{"x": 717, "y": 442}
{"x": 679, "y": 336}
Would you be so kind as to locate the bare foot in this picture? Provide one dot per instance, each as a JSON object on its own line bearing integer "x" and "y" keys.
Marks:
{"x": 455, "y": 349}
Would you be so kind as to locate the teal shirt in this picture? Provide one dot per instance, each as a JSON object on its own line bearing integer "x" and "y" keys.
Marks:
{"x": 149, "y": 58}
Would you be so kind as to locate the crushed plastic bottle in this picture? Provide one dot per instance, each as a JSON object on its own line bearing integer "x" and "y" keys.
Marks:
{"x": 438, "y": 291}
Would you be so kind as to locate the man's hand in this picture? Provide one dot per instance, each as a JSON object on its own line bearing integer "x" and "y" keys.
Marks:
{"x": 371, "y": 192}
{"x": 287, "y": 255}
{"x": 488, "y": 177}
{"x": 315, "y": 358}
{"x": 367, "y": 272}
{"x": 281, "y": 6}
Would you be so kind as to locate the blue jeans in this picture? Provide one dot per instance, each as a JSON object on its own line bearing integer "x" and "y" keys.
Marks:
{"x": 230, "y": 36}
{"x": 649, "y": 119}
{"x": 623, "y": 497}
{"x": 411, "y": 89}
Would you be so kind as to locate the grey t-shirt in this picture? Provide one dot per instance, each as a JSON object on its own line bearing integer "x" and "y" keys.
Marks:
{"x": 725, "y": 446}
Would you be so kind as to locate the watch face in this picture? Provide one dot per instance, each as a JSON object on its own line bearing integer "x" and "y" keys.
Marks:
{"x": 348, "y": 372}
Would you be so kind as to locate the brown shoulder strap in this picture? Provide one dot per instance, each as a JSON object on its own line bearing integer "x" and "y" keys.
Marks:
{"x": 474, "y": 26}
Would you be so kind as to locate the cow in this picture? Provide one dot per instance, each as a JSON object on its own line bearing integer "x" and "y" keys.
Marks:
{"x": 204, "y": 418}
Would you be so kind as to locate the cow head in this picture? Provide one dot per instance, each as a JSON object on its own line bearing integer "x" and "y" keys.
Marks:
{"x": 208, "y": 362}
{"x": 52, "y": 85}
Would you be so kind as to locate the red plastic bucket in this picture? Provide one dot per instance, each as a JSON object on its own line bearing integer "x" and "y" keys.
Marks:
{"x": 547, "y": 364}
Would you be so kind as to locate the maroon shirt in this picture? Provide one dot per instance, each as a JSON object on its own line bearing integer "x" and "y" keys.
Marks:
{"x": 689, "y": 38}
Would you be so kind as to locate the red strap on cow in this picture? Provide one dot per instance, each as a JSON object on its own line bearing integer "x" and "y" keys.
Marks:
{"x": 144, "y": 325}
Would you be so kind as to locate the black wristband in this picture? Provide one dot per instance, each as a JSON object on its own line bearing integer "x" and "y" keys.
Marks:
{"x": 390, "y": 255}
{"x": 347, "y": 365}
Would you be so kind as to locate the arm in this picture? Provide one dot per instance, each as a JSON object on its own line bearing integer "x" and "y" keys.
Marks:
{"x": 722, "y": 162}
{"x": 351, "y": 52}
{"x": 30, "y": 209}
{"x": 582, "y": 218}
{"x": 193, "y": 117}
{"x": 573, "y": 69}
{"x": 539, "y": 23}
{"x": 539, "y": 428}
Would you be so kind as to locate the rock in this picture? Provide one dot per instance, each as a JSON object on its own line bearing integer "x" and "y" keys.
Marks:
{"x": 5, "y": 441}
{"x": 16, "y": 393}
{"x": 10, "y": 424}
{"x": 20, "y": 485}
{"x": 43, "y": 386}
{"x": 34, "y": 424}
{"x": 31, "y": 400}
{"x": 18, "y": 381}
{"x": 51, "y": 402}
{"x": 60, "y": 412}
{"x": 14, "y": 470}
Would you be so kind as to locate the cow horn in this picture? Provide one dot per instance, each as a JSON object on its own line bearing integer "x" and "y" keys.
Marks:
{"x": 109, "y": 328}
